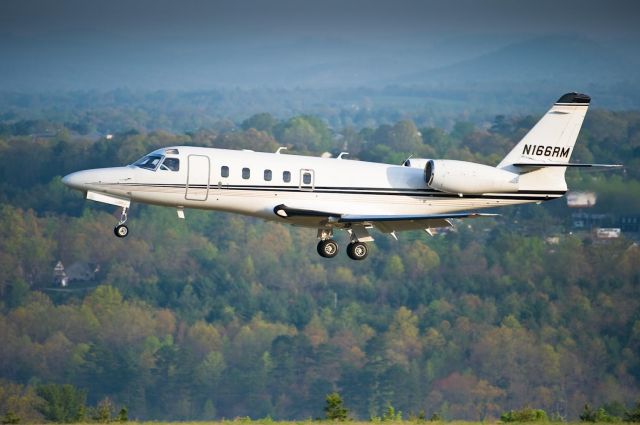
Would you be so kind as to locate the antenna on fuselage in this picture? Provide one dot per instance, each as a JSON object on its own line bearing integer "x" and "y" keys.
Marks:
{"x": 280, "y": 149}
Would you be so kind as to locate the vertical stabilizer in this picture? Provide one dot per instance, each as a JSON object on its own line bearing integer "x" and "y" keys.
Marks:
{"x": 553, "y": 137}
{"x": 550, "y": 141}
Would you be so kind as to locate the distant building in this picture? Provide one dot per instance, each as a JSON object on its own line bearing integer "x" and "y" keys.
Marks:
{"x": 79, "y": 271}
{"x": 608, "y": 233}
{"x": 630, "y": 223}
{"x": 552, "y": 240}
{"x": 586, "y": 221}
{"x": 59, "y": 275}
{"x": 581, "y": 199}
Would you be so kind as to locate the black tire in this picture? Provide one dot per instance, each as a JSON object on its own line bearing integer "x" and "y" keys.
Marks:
{"x": 121, "y": 231}
{"x": 328, "y": 248}
{"x": 357, "y": 251}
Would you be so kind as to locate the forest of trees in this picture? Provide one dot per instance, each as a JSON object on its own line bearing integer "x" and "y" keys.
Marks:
{"x": 195, "y": 319}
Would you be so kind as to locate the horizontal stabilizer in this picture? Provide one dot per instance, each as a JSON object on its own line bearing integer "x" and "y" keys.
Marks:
{"x": 530, "y": 166}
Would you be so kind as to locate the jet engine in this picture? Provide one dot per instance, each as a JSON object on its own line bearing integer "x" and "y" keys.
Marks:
{"x": 464, "y": 178}
{"x": 416, "y": 162}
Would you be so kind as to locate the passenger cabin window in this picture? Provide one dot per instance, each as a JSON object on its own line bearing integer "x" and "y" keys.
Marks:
{"x": 149, "y": 162}
{"x": 306, "y": 178}
{"x": 224, "y": 171}
{"x": 286, "y": 176}
{"x": 246, "y": 173}
{"x": 170, "y": 164}
{"x": 267, "y": 175}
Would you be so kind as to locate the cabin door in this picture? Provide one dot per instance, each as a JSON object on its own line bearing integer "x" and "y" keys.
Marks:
{"x": 198, "y": 178}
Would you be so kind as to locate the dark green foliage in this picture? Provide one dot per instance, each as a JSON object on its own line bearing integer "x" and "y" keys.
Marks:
{"x": 195, "y": 319}
{"x": 103, "y": 411}
{"x": 334, "y": 409}
{"x": 123, "y": 415}
{"x": 634, "y": 414}
{"x": 389, "y": 414}
{"x": 525, "y": 415}
{"x": 63, "y": 403}
{"x": 261, "y": 122}
{"x": 10, "y": 418}
{"x": 597, "y": 415}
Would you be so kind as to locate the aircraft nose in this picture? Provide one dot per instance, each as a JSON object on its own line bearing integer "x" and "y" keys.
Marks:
{"x": 86, "y": 179}
{"x": 74, "y": 180}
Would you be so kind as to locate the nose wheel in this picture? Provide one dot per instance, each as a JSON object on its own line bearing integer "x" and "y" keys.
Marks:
{"x": 121, "y": 230}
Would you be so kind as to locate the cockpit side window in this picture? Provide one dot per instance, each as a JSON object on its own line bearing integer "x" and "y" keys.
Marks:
{"x": 170, "y": 164}
{"x": 149, "y": 162}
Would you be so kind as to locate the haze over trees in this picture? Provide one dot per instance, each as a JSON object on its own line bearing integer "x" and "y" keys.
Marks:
{"x": 225, "y": 316}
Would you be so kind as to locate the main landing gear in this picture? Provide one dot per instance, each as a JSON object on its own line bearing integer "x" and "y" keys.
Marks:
{"x": 121, "y": 230}
{"x": 356, "y": 250}
{"x": 328, "y": 248}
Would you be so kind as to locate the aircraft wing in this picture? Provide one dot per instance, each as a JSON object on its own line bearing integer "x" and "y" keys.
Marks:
{"x": 384, "y": 223}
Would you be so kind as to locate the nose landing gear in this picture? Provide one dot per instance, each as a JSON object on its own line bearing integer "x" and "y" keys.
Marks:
{"x": 121, "y": 230}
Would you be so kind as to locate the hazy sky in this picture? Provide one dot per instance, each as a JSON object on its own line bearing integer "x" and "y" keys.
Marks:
{"x": 349, "y": 19}
{"x": 49, "y": 44}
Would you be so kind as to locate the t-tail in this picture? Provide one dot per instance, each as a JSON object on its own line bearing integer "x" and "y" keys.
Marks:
{"x": 542, "y": 156}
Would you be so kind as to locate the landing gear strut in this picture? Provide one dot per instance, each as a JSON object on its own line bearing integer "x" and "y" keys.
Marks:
{"x": 328, "y": 248}
{"x": 121, "y": 230}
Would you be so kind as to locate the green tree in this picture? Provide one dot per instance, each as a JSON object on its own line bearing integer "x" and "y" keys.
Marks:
{"x": 104, "y": 411}
{"x": 62, "y": 403}
{"x": 306, "y": 133}
{"x": 334, "y": 409}
{"x": 634, "y": 414}
{"x": 262, "y": 122}
{"x": 19, "y": 403}
{"x": 524, "y": 415}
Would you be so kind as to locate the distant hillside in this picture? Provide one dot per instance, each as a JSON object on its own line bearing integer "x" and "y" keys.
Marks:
{"x": 567, "y": 60}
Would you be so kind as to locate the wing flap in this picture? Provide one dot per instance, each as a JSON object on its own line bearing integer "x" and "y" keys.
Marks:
{"x": 385, "y": 223}
{"x": 352, "y": 218}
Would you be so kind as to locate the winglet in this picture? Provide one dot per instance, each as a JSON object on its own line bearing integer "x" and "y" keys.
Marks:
{"x": 574, "y": 97}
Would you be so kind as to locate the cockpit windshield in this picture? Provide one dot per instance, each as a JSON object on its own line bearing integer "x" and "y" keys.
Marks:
{"x": 170, "y": 164}
{"x": 150, "y": 162}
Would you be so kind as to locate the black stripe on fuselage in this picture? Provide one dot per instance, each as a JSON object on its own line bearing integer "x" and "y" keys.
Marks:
{"x": 430, "y": 193}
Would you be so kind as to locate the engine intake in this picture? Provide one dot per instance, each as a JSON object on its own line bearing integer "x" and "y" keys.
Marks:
{"x": 467, "y": 178}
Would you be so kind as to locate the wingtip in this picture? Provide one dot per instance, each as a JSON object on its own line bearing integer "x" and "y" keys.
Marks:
{"x": 576, "y": 98}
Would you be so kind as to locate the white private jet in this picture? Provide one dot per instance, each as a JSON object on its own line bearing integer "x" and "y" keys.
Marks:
{"x": 336, "y": 193}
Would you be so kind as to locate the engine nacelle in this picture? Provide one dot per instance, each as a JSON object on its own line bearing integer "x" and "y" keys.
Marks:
{"x": 467, "y": 178}
{"x": 416, "y": 163}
